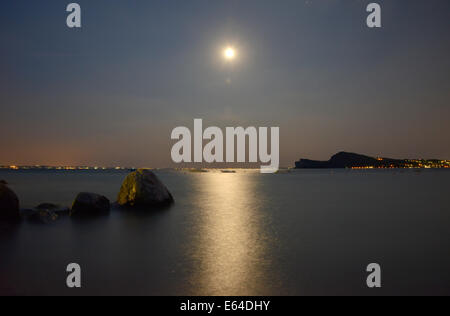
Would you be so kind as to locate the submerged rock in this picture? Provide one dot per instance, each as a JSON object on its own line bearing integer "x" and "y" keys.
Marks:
{"x": 54, "y": 208}
{"x": 90, "y": 204}
{"x": 44, "y": 213}
{"x": 143, "y": 188}
{"x": 9, "y": 204}
{"x": 40, "y": 216}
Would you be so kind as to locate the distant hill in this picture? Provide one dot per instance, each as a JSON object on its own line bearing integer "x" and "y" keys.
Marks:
{"x": 352, "y": 160}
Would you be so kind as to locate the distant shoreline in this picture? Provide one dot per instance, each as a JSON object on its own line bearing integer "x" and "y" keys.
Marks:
{"x": 341, "y": 160}
{"x": 65, "y": 168}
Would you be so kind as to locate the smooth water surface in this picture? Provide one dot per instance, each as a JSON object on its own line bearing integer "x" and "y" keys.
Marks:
{"x": 300, "y": 233}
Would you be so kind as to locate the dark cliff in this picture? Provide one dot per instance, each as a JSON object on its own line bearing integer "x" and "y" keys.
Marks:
{"x": 347, "y": 160}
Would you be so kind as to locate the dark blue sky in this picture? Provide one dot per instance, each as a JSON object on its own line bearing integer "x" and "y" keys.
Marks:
{"x": 110, "y": 93}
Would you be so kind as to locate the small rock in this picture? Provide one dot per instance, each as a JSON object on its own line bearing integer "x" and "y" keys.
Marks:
{"x": 46, "y": 206}
{"x": 44, "y": 213}
{"x": 143, "y": 188}
{"x": 57, "y": 209}
{"x": 43, "y": 216}
{"x": 90, "y": 204}
{"x": 9, "y": 204}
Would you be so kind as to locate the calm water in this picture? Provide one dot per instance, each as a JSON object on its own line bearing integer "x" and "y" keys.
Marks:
{"x": 303, "y": 233}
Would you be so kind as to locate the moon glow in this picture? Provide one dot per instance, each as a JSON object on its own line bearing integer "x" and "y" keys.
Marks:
{"x": 229, "y": 53}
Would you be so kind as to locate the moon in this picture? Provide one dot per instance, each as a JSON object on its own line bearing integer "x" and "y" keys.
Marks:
{"x": 229, "y": 53}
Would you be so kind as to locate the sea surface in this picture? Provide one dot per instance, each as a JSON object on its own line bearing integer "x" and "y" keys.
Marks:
{"x": 299, "y": 233}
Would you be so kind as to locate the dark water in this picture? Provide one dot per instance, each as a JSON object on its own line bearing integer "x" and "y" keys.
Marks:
{"x": 303, "y": 233}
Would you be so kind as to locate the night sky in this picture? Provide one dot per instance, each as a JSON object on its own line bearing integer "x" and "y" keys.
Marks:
{"x": 111, "y": 92}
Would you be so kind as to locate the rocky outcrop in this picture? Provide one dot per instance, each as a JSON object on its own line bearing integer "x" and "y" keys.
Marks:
{"x": 9, "y": 204}
{"x": 349, "y": 160}
{"x": 143, "y": 188}
{"x": 90, "y": 204}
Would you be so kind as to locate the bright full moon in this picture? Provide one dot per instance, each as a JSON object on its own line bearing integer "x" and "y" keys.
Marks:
{"x": 229, "y": 53}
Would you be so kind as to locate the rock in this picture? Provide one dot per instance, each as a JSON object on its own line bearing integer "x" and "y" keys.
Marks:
{"x": 43, "y": 216}
{"x": 143, "y": 188}
{"x": 46, "y": 206}
{"x": 57, "y": 209}
{"x": 90, "y": 204}
{"x": 9, "y": 204}
{"x": 3, "y": 182}
{"x": 44, "y": 213}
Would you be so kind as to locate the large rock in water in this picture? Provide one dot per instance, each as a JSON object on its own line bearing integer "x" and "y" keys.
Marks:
{"x": 90, "y": 204}
{"x": 9, "y": 204}
{"x": 143, "y": 188}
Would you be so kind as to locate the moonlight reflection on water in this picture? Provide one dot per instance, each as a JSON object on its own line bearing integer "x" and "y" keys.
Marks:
{"x": 231, "y": 245}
